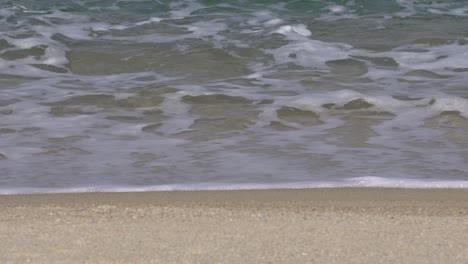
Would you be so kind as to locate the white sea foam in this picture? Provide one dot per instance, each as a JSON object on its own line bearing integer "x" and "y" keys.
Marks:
{"x": 433, "y": 58}
{"x": 300, "y": 29}
{"x": 273, "y": 22}
{"x": 311, "y": 53}
{"x": 369, "y": 181}
{"x": 337, "y": 8}
{"x": 149, "y": 21}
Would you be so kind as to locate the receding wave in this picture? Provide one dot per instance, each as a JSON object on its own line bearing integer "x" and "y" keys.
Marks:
{"x": 108, "y": 95}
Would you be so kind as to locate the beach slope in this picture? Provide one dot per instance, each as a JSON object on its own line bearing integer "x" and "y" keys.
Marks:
{"x": 329, "y": 225}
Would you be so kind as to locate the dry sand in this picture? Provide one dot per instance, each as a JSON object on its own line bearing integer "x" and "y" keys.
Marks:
{"x": 336, "y": 225}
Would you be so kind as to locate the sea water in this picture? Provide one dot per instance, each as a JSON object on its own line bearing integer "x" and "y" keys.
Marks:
{"x": 146, "y": 95}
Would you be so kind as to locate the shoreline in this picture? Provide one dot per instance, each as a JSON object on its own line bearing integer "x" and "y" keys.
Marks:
{"x": 332, "y": 225}
{"x": 353, "y": 183}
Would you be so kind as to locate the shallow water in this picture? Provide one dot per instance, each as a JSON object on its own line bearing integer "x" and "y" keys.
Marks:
{"x": 115, "y": 95}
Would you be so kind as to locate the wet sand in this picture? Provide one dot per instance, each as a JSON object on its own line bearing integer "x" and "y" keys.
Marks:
{"x": 332, "y": 225}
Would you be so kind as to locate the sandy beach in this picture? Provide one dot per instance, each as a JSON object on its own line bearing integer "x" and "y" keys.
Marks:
{"x": 334, "y": 225}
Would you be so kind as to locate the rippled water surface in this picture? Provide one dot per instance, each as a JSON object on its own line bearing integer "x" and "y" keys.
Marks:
{"x": 150, "y": 94}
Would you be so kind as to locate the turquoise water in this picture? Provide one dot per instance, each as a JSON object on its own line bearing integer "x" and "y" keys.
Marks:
{"x": 141, "y": 95}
